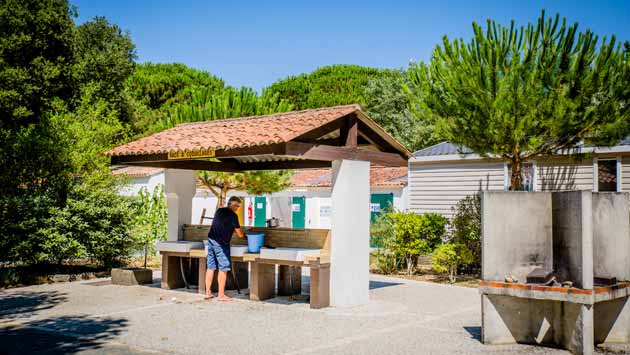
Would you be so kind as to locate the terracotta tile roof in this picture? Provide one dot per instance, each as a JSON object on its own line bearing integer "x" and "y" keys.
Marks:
{"x": 379, "y": 176}
{"x": 234, "y": 133}
{"x": 137, "y": 171}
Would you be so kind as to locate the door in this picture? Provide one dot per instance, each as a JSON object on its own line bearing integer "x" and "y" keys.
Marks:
{"x": 379, "y": 202}
{"x": 298, "y": 212}
{"x": 260, "y": 212}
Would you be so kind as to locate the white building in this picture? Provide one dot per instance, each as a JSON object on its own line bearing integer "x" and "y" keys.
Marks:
{"x": 305, "y": 204}
{"x": 443, "y": 174}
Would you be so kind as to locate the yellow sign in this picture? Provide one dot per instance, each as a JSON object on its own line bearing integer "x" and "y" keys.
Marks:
{"x": 191, "y": 154}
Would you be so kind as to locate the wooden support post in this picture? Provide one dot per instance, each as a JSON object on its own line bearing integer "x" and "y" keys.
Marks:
{"x": 203, "y": 265}
{"x": 263, "y": 282}
{"x": 289, "y": 280}
{"x": 320, "y": 285}
{"x": 171, "y": 273}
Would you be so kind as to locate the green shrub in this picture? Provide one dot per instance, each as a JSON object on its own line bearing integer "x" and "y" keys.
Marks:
{"x": 466, "y": 227}
{"x": 404, "y": 236}
{"x": 150, "y": 220}
{"x": 449, "y": 257}
{"x": 95, "y": 221}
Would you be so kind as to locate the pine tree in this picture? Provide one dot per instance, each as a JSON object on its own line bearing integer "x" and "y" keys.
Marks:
{"x": 519, "y": 93}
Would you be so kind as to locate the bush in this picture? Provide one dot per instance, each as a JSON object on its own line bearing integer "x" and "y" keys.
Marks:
{"x": 150, "y": 224}
{"x": 466, "y": 227}
{"x": 405, "y": 236}
{"x": 449, "y": 257}
{"x": 95, "y": 222}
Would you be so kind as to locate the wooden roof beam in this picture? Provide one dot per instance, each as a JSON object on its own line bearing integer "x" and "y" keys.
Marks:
{"x": 331, "y": 153}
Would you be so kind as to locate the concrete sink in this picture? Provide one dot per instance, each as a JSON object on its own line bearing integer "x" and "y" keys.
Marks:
{"x": 180, "y": 246}
{"x": 291, "y": 254}
{"x": 238, "y": 250}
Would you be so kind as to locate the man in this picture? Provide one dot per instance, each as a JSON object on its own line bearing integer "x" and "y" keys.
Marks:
{"x": 224, "y": 224}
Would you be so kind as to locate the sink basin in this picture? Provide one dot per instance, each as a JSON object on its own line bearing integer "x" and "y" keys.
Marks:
{"x": 291, "y": 254}
{"x": 180, "y": 246}
{"x": 238, "y": 250}
{"x": 235, "y": 250}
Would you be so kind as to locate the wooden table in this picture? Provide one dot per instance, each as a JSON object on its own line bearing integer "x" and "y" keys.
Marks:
{"x": 263, "y": 275}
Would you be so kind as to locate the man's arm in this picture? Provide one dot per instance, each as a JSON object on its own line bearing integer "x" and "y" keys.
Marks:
{"x": 239, "y": 233}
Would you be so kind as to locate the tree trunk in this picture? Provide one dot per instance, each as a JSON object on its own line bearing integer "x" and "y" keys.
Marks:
{"x": 516, "y": 181}
{"x": 452, "y": 274}
{"x": 221, "y": 198}
{"x": 410, "y": 265}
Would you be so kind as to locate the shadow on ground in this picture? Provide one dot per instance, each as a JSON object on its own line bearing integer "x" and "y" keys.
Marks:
{"x": 24, "y": 304}
{"x": 475, "y": 332}
{"x": 61, "y": 335}
{"x": 381, "y": 284}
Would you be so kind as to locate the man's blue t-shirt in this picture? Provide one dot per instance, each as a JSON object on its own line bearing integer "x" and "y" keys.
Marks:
{"x": 223, "y": 225}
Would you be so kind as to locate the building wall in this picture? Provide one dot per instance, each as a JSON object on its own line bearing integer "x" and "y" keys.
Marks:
{"x": 625, "y": 174}
{"x": 136, "y": 184}
{"x": 318, "y": 202}
{"x": 438, "y": 187}
{"x": 555, "y": 175}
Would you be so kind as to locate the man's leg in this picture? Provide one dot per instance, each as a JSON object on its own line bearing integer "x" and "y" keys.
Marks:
{"x": 209, "y": 278}
{"x": 224, "y": 266}
{"x": 222, "y": 280}
{"x": 212, "y": 265}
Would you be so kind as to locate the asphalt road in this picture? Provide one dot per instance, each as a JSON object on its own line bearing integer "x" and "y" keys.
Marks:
{"x": 403, "y": 317}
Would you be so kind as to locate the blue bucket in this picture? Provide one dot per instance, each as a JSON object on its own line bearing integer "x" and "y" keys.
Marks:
{"x": 254, "y": 242}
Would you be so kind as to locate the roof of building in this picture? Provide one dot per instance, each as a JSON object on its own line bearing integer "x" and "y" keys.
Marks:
{"x": 136, "y": 171}
{"x": 311, "y": 138}
{"x": 444, "y": 148}
{"x": 235, "y": 132}
{"x": 379, "y": 176}
{"x": 448, "y": 148}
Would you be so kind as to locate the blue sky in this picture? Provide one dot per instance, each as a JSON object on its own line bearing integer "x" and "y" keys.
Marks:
{"x": 256, "y": 43}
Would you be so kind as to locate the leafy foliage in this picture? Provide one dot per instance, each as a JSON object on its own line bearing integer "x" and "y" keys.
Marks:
{"x": 387, "y": 104}
{"x": 105, "y": 56}
{"x": 327, "y": 86}
{"x": 36, "y": 55}
{"x": 95, "y": 222}
{"x": 206, "y": 105}
{"x": 522, "y": 92}
{"x": 162, "y": 84}
{"x": 151, "y": 218}
{"x": 466, "y": 227}
{"x": 408, "y": 235}
{"x": 449, "y": 257}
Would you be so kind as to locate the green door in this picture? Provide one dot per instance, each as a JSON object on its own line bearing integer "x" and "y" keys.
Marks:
{"x": 298, "y": 213}
{"x": 379, "y": 202}
{"x": 260, "y": 212}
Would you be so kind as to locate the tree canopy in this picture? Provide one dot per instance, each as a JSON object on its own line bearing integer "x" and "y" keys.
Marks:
{"x": 523, "y": 92}
{"x": 327, "y": 86}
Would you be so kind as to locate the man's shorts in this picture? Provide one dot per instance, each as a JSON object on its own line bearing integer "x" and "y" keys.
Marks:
{"x": 218, "y": 256}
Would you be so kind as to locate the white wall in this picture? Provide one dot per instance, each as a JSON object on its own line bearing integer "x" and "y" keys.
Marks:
{"x": 318, "y": 201}
{"x": 438, "y": 187}
{"x": 135, "y": 184}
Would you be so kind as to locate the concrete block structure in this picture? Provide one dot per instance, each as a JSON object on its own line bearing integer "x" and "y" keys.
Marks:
{"x": 581, "y": 236}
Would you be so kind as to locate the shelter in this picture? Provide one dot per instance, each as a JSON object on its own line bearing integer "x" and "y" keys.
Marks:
{"x": 341, "y": 137}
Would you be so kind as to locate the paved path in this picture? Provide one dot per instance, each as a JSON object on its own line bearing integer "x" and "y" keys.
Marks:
{"x": 402, "y": 317}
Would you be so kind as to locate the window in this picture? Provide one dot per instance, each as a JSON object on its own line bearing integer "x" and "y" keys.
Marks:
{"x": 527, "y": 177}
{"x": 607, "y": 175}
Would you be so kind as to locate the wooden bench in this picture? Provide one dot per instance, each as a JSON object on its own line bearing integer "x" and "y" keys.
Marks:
{"x": 263, "y": 271}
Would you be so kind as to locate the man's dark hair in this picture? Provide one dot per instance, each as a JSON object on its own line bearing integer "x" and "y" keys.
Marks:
{"x": 234, "y": 199}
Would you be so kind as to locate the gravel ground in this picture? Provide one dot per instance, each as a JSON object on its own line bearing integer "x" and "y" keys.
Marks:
{"x": 402, "y": 317}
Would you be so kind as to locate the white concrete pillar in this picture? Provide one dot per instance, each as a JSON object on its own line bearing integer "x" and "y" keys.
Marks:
{"x": 180, "y": 186}
{"x": 350, "y": 233}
